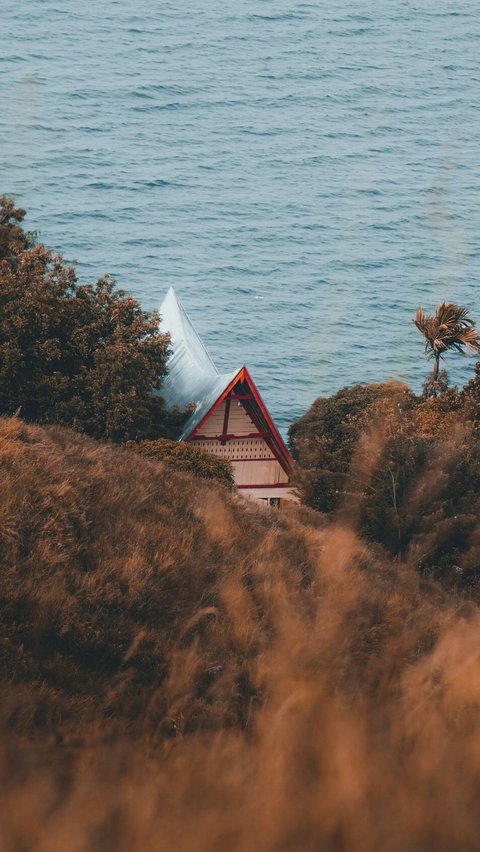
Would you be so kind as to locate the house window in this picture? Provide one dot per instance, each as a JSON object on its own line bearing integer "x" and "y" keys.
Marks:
{"x": 275, "y": 502}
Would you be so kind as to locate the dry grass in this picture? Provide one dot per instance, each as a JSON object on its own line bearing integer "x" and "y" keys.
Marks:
{"x": 183, "y": 672}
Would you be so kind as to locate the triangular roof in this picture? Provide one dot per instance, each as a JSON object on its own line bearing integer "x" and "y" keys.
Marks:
{"x": 193, "y": 378}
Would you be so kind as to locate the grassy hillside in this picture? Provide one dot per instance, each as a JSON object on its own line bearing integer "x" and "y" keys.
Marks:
{"x": 183, "y": 671}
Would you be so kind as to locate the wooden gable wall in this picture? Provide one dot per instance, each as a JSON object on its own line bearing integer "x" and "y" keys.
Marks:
{"x": 252, "y": 459}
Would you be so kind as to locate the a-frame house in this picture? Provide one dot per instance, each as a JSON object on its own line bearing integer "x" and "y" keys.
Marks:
{"x": 230, "y": 419}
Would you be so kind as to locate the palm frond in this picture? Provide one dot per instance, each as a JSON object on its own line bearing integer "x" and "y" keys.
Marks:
{"x": 450, "y": 327}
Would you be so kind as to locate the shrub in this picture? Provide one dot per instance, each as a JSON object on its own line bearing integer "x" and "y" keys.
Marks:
{"x": 406, "y": 468}
{"x": 324, "y": 440}
{"x": 186, "y": 457}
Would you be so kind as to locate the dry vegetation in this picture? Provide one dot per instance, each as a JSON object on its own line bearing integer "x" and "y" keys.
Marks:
{"x": 407, "y": 468}
{"x": 187, "y": 458}
{"x": 181, "y": 671}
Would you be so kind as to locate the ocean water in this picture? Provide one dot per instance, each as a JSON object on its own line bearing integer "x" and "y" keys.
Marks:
{"x": 304, "y": 173}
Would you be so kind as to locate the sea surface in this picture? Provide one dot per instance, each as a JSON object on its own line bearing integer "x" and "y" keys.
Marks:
{"x": 305, "y": 174}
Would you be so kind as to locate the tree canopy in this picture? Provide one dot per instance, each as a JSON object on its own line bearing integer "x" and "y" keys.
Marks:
{"x": 85, "y": 355}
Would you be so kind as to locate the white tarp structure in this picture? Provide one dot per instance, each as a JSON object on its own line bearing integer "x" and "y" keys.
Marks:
{"x": 192, "y": 376}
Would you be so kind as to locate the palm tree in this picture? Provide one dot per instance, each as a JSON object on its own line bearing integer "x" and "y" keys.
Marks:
{"x": 449, "y": 327}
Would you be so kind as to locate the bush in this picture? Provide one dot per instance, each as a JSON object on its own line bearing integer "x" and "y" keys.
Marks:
{"x": 406, "y": 468}
{"x": 325, "y": 439}
{"x": 186, "y": 457}
{"x": 85, "y": 355}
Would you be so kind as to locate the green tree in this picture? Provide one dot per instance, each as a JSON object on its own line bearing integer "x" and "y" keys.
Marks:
{"x": 448, "y": 328}
{"x": 84, "y": 355}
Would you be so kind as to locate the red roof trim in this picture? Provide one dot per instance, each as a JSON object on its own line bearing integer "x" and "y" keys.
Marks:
{"x": 273, "y": 485}
{"x": 237, "y": 378}
{"x": 287, "y": 459}
{"x": 277, "y": 445}
{"x": 263, "y": 459}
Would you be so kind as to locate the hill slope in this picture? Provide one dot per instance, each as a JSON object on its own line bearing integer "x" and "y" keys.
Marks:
{"x": 181, "y": 670}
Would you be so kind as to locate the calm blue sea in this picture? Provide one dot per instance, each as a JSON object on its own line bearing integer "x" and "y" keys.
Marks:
{"x": 304, "y": 173}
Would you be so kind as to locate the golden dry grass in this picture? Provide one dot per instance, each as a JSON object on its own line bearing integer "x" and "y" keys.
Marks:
{"x": 182, "y": 671}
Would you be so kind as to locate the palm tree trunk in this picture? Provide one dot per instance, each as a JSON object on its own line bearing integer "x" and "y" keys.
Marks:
{"x": 436, "y": 366}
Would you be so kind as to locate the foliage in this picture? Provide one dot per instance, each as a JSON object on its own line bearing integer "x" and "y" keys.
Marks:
{"x": 434, "y": 385}
{"x": 403, "y": 466}
{"x": 186, "y": 457}
{"x": 435, "y": 417}
{"x": 13, "y": 239}
{"x": 470, "y": 400}
{"x": 385, "y": 515}
{"x": 324, "y": 440}
{"x": 80, "y": 354}
{"x": 449, "y": 327}
{"x": 180, "y": 670}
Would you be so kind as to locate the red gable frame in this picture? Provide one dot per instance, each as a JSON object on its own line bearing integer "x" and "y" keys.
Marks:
{"x": 256, "y": 409}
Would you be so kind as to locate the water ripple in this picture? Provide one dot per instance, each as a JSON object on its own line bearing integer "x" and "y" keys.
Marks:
{"x": 305, "y": 174}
